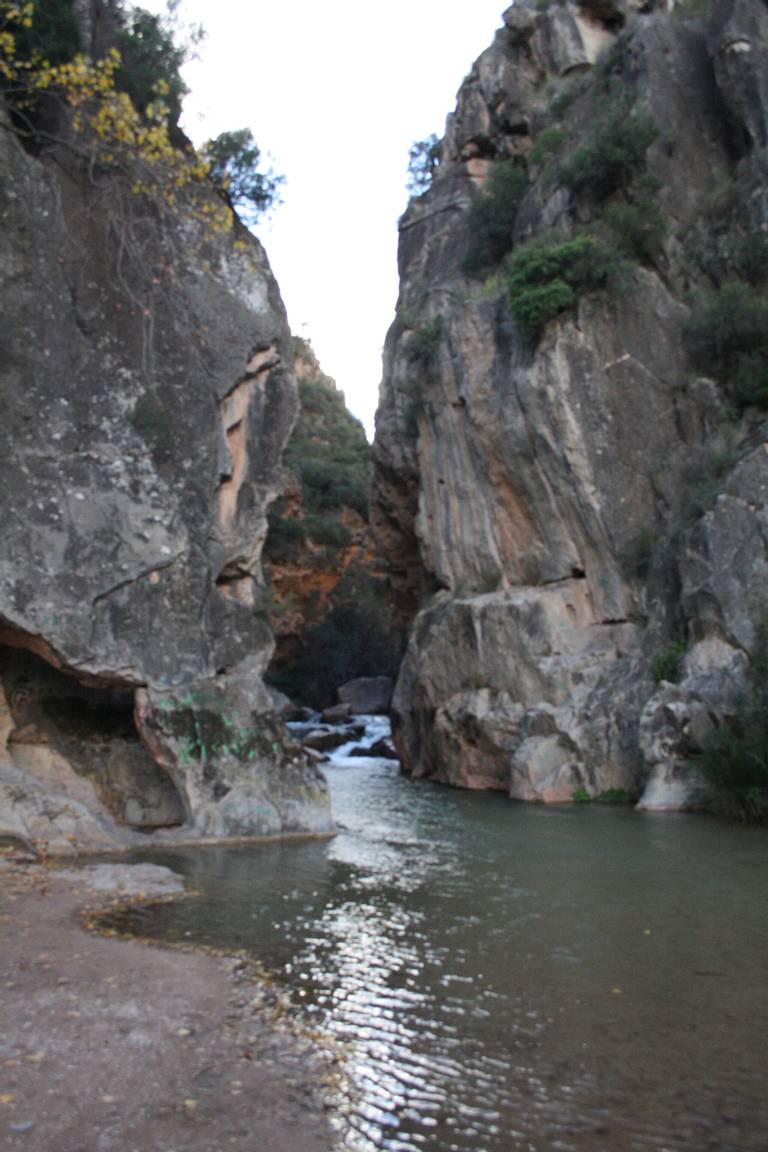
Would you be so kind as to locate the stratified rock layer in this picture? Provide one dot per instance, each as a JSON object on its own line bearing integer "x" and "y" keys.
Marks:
{"x": 147, "y": 394}
{"x": 518, "y": 481}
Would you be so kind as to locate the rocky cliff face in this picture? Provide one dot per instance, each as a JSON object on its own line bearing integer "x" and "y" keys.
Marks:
{"x": 319, "y": 526}
{"x": 326, "y": 583}
{"x": 565, "y": 491}
{"x": 147, "y": 393}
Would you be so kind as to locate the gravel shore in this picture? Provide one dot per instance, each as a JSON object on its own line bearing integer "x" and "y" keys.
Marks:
{"x": 108, "y": 1045}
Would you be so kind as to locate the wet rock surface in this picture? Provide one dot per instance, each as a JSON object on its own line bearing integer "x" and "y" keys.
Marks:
{"x": 381, "y": 749}
{"x": 323, "y": 740}
{"x": 124, "y": 879}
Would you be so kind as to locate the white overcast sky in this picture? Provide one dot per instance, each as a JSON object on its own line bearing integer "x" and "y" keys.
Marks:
{"x": 335, "y": 91}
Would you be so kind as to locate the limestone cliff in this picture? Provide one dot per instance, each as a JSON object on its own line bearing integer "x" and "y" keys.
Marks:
{"x": 569, "y": 489}
{"x": 147, "y": 393}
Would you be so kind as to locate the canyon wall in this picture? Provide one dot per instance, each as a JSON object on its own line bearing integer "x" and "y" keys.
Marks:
{"x": 326, "y": 584}
{"x": 147, "y": 394}
{"x": 568, "y": 496}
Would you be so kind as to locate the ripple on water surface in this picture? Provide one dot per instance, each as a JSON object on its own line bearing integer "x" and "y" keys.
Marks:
{"x": 509, "y": 977}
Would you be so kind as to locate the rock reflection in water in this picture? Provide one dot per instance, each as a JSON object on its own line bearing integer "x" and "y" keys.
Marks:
{"x": 507, "y": 977}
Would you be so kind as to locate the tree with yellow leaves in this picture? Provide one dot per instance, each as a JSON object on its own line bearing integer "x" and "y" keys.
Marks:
{"x": 119, "y": 114}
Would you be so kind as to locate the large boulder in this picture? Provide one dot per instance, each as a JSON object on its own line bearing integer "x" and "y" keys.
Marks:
{"x": 368, "y": 695}
{"x": 503, "y": 691}
{"x": 678, "y": 719}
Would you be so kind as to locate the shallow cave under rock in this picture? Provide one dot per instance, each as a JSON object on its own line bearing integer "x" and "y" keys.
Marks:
{"x": 80, "y": 740}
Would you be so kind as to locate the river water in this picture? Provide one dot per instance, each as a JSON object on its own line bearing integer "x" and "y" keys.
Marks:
{"x": 505, "y": 976}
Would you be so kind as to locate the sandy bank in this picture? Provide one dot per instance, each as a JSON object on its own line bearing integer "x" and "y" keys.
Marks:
{"x": 109, "y": 1045}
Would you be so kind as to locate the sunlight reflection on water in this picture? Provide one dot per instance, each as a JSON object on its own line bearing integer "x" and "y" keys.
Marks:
{"x": 508, "y": 977}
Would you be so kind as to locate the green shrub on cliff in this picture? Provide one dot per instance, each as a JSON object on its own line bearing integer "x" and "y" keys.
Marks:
{"x": 702, "y": 478}
{"x": 354, "y": 639}
{"x": 637, "y": 229}
{"x": 328, "y": 450}
{"x": 150, "y": 56}
{"x": 544, "y": 279}
{"x": 726, "y": 336}
{"x": 665, "y": 665}
{"x": 117, "y": 114}
{"x": 151, "y": 61}
{"x": 610, "y": 796}
{"x": 424, "y": 341}
{"x": 52, "y": 32}
{"x": 613, "y": 153}
{"x": 548, "y": 144}
{"x": 285, "y": 538}
{"x": 288, "y": 535}
{"x": 328, "y": 484}
{"x": 735, "y": 761}
{"x": 491, "y": 217}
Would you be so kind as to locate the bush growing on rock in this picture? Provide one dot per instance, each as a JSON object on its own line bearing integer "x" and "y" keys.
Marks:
{"x": 637, "y": 229}
{"x": 735, "y": 761}
{"x": 48, "y": 30}
{"x": 665, "y": 665}
{"x": 328, "y": 451}
{"x": 638, "y": 553}
{"x": 701, "y": 480}
{"x": 354, "y": 639}
{"x": 548, "y": 144}
{"x": 45, "y": 34}
{"x": 424, "y": 341}
{"x": 491, "y": 217}
{"x": 727, "y": 337}
{"x": 609, "y": 796}
{"x": 544, "y": 279}
{"x": 150, "y": 62}
{"x": 115, "y": 115}
{"x": 285, "y": 538}
{"x": 328, "y": 530}
{"x": 612, "y": 154}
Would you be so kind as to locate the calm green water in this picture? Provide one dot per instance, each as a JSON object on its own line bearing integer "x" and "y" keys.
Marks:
{"x": 513, "y": 977}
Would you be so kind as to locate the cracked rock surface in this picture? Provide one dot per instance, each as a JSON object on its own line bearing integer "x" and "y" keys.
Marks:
{"x": 145, "y": 400}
